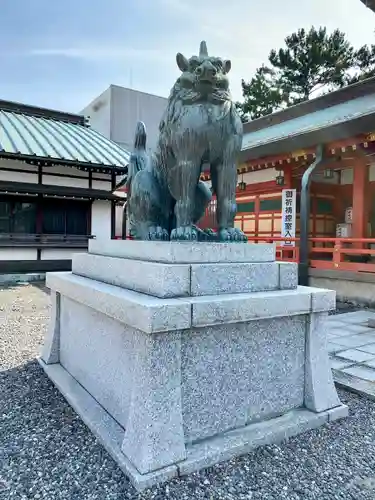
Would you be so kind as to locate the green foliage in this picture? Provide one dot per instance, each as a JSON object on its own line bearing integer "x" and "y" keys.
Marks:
{"x": 364, "y": 64}
{"x": 311, "y": 63}
{"x": 263, "y": 94}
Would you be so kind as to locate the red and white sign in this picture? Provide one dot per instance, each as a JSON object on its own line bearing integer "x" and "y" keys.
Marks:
{"x": 288, "y": 214}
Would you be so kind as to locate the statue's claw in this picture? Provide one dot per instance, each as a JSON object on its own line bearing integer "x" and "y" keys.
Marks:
{"x": 232, "y": 234}
{"x": 157, "y": 233}
{"x": 185, "y": 233}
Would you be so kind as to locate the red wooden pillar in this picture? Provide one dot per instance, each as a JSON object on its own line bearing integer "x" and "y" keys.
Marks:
{"x": 288, "y": 181}
{"x": 256, "y": 214}
{"x": 360, "y": 181}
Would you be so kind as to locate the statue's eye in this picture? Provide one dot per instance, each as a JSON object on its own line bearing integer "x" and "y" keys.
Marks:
{"x": 193, "y": 65}
{"x": 218, "y": 63}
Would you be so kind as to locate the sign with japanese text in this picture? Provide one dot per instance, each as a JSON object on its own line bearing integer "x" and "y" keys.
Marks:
{"x": 288, "y": 214}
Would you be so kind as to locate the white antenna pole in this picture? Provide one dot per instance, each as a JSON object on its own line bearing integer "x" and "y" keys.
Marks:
{"x": 131, "y": 78}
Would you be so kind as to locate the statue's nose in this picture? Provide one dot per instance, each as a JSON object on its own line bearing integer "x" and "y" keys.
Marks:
{"x": 206, "y": 71}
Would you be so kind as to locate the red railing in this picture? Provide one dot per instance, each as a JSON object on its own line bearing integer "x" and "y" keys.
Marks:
{"x": 346, "y": 254}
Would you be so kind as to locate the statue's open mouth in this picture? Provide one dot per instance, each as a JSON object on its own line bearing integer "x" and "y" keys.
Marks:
{"x": 206, "y": 81}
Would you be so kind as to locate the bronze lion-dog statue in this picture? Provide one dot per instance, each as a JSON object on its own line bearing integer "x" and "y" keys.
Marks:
{"x": 200, "y": 126}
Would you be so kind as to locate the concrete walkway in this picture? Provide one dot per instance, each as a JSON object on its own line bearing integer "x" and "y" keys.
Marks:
{"x": 351, "y": 345}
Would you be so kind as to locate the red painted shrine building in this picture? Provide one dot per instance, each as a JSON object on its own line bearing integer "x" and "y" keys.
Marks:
{"x": 277, "y": 150}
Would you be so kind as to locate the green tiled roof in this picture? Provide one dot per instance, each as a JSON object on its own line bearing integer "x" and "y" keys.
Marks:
{"x": 340, "y": 114}
{"x": 44, "y": 136}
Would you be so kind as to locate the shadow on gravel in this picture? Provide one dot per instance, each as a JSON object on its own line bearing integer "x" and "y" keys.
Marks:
{"x": 41, "y": 285}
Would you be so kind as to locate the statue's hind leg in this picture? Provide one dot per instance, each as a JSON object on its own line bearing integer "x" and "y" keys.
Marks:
{"x": 149, "y": 207}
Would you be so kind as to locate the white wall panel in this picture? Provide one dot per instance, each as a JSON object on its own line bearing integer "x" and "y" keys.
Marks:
{"x": 101, "y": 219}
{"x": 18, "y": 254}
{"x": 60, "y": 253}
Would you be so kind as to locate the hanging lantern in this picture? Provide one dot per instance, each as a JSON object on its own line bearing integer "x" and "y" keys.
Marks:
{"x": 280, "y": 180}
{"x": 242, "y": 185}
{"x": 328, "y": 173}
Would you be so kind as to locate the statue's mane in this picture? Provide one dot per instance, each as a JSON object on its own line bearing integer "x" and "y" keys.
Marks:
{"x": 180, "y": 97}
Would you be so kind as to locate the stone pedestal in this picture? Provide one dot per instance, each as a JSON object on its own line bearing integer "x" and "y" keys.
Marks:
{"x": 179, "y": 355}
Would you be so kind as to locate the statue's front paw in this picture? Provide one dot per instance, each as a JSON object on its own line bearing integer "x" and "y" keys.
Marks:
{"x": 184, "y": 233}
{"x": 157, "y": 233}
{"x": 232, "y": 234}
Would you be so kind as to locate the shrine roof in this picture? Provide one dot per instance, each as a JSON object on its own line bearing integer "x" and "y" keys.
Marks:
{"x": 335, "y": 116}
{"x": 36, "y": 134}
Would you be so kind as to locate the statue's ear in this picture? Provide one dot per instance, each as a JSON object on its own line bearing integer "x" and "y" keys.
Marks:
{"x": 227, "y": 65}
{"x": 182, "y": 62}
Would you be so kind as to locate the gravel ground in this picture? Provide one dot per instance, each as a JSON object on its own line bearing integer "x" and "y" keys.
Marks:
{"x": 46, "y": 452}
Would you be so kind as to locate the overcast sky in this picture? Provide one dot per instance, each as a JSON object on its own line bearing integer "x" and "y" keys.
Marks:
{"x": 62, "y": 54}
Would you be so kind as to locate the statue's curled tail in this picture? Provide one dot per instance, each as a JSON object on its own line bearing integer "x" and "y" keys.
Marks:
{"x": 139, "y": 158}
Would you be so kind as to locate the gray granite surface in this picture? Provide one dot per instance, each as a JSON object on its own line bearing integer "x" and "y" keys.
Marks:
{"x": 177, "y": 372}
{"x": 152, "y": 314}
{"x": 105, "y": 428}
{"x": 216, "y": 310}
{"x": 240, "y": 441}
{"x": 165, "y": 280}
{"x": 236, "y": 374}
{"x": 154, "y": 436}
{"x": 146, "y": 313}
{"x": 183, "y": 252}
{"x": 152, "y": 278}
{"x": 288, "y": 278}
{"x": 92, "y": 348}
{"x": 320, "y": 391}
{"x": 51, "y": 346}
{"x": 198, "y": 456}
{"x": 217, "y": 279}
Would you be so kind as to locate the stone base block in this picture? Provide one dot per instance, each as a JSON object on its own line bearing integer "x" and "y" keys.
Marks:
{"x": 184, "y": 253}
{"x": 178, "y": 269}
{"x": 199, "y": 456}
{"x": 165, "y": 280}
{"x": 174, "y": 384}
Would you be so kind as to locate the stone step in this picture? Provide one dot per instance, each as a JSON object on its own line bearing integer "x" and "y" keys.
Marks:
{"x": 153, "y": 314}
{"x": 184, "y": 252}
{"x": 166, "y": 280}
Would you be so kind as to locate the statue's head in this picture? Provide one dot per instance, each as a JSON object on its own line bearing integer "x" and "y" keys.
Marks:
{"x": 204, "y": 75}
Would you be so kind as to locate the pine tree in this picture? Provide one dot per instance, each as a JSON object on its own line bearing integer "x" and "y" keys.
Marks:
{"x": 312, "y": 62}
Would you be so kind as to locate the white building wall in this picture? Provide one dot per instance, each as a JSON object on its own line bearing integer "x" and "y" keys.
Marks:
{"x": 102, "y": 185}
{"x": 17, "y": 171}
{"x": 130, "y": 106}
{"x": 61, "y": 170}
{"x": 60, "y": 253}
{"x": 18, "y": 254}
{"x": 52, "y": 180}
{"x": 99, "y": 113}
{"x": 116, "y": 112}
{"x": 266, "y": 175}
{"x": 118, "y": 220}
{"x": 18, "y": 177}
{"x": 101, "y": 219}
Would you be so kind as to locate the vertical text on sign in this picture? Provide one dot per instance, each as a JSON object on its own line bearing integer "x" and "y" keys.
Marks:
{"x": 288, "y": 223}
